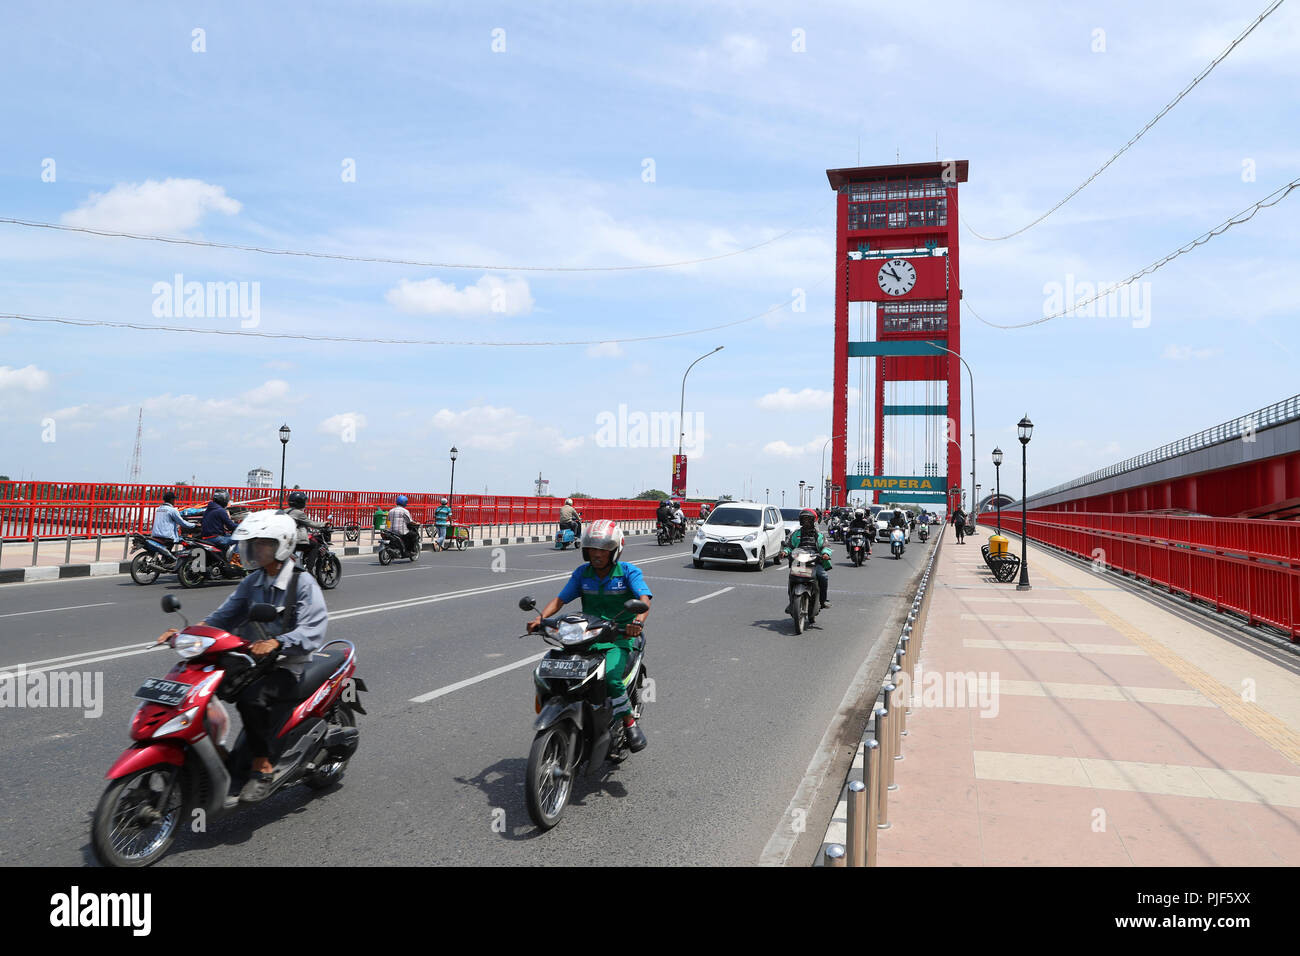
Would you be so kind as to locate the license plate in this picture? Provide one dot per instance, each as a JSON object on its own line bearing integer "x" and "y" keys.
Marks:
{"x": 161, "y": 691}
{"x": 569, "y": 668}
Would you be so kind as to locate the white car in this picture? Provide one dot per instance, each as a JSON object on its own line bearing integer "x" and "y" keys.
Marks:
{"x": 883, "y": 517}
{"x": 739, "y": 532}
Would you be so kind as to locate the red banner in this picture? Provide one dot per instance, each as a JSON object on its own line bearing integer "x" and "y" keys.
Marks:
{"x": 679, "y": 475}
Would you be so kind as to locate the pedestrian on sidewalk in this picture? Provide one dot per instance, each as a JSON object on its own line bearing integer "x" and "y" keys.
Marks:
{"x": 959, "y": 520}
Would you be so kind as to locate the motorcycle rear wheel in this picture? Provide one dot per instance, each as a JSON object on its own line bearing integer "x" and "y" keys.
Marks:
{"x": 144, "y": 568}
{"x": 188, "y": 574}
{"x": 120, "y": 831}
{"x": 661, "y": 537}
{"x": 328, "y": 774}
{"x": 385, "y": 557}
{"x": 549, "y": 778}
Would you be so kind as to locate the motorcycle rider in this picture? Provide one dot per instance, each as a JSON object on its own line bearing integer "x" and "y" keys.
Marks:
{"x": 679, "y": 521}
{"x": 664, "y": 515}
{"x": 167, "y": 521}
{"x": 604, "y": 583}
{"x": 303, "y": 523}
{"x": 266, "y": 542}
{"x": 569, "y": 518}
{"x": 811, "y": 538}
{"x": 860, "y": 523}
{"x": 400, "y": 521}
{"x": 441, "y": 519}
{"x": 217, "y": 526}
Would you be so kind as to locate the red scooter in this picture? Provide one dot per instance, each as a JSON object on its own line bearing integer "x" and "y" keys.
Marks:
{"x": 178, "y": 764}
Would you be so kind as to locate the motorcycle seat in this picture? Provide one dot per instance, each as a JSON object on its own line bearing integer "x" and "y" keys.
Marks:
{"x": 319, "y": 668}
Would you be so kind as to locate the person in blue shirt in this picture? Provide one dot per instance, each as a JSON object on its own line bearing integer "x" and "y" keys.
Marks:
{"x": 217, "y": 526}
{"x": 604, "y": 583}
{"x": 441, "y": 519}
{"x": 167, "y": 522}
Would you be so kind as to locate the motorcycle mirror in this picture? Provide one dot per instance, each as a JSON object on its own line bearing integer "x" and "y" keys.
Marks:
{"x": 636, "y": 606}
{"x": 527, "y": 604}
{"x": 171, "y": 603}
{"x": 263, "y": 613}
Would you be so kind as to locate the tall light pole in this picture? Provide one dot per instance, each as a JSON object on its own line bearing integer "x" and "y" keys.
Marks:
{"x": 801, "y": 494}
{"x": 971, "y": 376}
{"x": 767, "y": 496}
{"x": 997, "y": 494}
{"x": 681, "y": 410}
{"x": 453, "y": 454}
{"x": 284, "y": 446}
{"x": 823, "y": 484}
{"x": 1025, "y": 429}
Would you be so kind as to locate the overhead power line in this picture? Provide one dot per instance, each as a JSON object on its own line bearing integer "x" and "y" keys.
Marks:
{"x": 1118, "y": 153}
{"x": 1272, "y": 199}
{"x": 301, "y": 336}
{"x": 387, "y": 260}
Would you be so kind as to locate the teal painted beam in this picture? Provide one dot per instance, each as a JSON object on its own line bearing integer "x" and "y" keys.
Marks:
{"x": 896, "y": 347}
{"x": 916, "y": 409}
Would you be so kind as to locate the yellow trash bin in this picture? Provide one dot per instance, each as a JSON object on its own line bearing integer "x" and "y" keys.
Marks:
{"x": 998, "y": 544}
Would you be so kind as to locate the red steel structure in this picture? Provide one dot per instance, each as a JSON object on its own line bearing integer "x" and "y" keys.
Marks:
{"x": 1249, "y": 566}
{"x": 885, "y": 213}
{"x": 31, "y": 509}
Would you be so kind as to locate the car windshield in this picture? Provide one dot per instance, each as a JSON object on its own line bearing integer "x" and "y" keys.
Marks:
{"x": 789, "y": 514}
{"x": 735, "y": 517}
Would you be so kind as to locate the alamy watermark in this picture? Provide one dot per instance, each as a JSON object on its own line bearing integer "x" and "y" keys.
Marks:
{"x": 624, "y": 429}
{"x": 1091, "y": 300}
{"x": 208, "y": 300}
{"x": 78, "y": 690}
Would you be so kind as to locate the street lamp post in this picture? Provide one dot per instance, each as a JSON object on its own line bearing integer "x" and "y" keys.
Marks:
{"x": 782, "y": 497}
{"x": 284, "y": 446}
{"x": 801, "y": 494}
{"x": 1026, "y": 429}
{"x": 453, "y": 453}
{"x": 681, "y": 411}
{"x": 767, "y": 496}
{"x": 823, "y": 484}
{"x": 997, "y": 494}
{"x": 971, "y": 377}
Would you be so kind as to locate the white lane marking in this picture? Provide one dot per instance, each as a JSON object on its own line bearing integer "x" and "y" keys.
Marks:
{"x": 47, "y": 610}
{"x": 450, "y": 688}
{"x": 707, "y": 596}
{"x": 71, "y": 664}
{"x": 68, "y": 657}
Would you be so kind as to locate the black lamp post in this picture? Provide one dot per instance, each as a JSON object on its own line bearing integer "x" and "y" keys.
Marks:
{"x": 454, "y": 453}
{"x": 284, "y": 447}
{"x": 997, "y": 494}
{"x": 1026, "y": 430}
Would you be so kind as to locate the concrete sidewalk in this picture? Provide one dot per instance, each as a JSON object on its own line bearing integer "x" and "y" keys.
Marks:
{"x": 1079, "y": 724}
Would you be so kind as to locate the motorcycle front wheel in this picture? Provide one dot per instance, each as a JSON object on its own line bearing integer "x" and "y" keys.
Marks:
{"x": 328, "y": 571}
{"x": 800, "y": 612}
{"x": 188, "y": 574}
{"x": 550, "y": 775}
{"x": 144, "y": 568}
{"x": 131, "y": 827}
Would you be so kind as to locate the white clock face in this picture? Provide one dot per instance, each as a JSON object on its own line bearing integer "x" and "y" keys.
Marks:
{"x": 896, "y": 277}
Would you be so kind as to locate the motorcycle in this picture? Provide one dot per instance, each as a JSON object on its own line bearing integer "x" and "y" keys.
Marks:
{"x": 568, "y": 536}
{"x": 896, "y": 543}
{"x": 320, "y": 562}
{"x": 575, "y": 723}
{"x": 835, "y": 530}
{"x": 670, "y": 533}
{"x": 206, "y": 561}
{"x": 857, "y": 546}
{"x": 924, "y": 532}
{"x": 802, "y": 588}
{"x": 153, "y": 558}
{"x": 178, "y": 763}
{"x": 394, "y": 545}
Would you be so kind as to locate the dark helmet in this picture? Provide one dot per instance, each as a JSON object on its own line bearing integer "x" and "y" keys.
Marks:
{"x": 221, "y": 498}
{"x": 169, "y": 496}
{"x": 297, "y": 499}
{"x": 807, "y": 516}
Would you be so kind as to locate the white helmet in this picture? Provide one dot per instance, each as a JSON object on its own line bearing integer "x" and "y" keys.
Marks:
{"x": 568, "y": 501}
{"x": 859, "y": 513}
{"x": 277, "y": 527}
{"x": 604, "y": 535}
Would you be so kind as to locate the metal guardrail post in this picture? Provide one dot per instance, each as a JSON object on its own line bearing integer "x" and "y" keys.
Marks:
{"x": 835, "y": 855}
{"x": 881, "y": 788}
{"x": 99, "y": 545}
{"x": 857, "y": 829}
{"x": 891, "y": 722}
{"x": 126, "y": 544}
{"x": 67, "y": 552}
{"x": 900, "y": 698}
{"x": 36, "y": 543}
{"x": 871, "y": 777}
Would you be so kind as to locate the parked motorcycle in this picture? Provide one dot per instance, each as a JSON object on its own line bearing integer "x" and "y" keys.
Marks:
{"x": 896, "y": 542}
{"x": 205, "y": 561}
{"x": 320, "y": 562}
{"x": 178, "y": 763}
{"x": 801, "y": 586}
{"x": 153, "y": 558}
{"x": 856, "y": 542}
{"x": 575, "y": 724}
{"x": 394, "y": 545}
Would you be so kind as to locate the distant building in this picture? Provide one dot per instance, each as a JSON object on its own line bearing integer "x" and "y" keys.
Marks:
{"x": 260, "y": 478}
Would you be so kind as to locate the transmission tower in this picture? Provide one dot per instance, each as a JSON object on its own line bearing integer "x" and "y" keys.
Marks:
{"x": 135, "y": 456}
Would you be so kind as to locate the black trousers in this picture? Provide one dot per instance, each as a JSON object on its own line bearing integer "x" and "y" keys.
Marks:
{"x": 961, "y": 532}
{"x": 257, "y": 705}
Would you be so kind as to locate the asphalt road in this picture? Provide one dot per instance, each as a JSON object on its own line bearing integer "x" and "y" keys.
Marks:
{"x": 741, "y": 707}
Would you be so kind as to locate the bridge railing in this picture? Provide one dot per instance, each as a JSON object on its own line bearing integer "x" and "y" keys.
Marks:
{"x": 1245, "y": 565}
{"x": 30, "y": 510}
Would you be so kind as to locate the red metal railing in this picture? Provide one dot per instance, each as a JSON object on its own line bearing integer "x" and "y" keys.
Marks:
{"x": 30, "y": 509}
{"x": 1247, "y": 565}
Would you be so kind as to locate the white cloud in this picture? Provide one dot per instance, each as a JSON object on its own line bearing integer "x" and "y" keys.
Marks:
{"x": 495, "y": 428}
{"x": 1181, "y": 353}
{"x": 744, "y": 52}
{"x": 194, "y": 411}
{"x": 342, "y": 425}
{"x": 781, "y": 449}
{"x": 279, "y": 366}
{"x": 29, "y": 378}
{"x": 70, "y": 412}
{"x": 171, "y": 206}
{"x": 804, "y": 400}
{"x": 605, "y": 350}
{"x": 490, "y": 295}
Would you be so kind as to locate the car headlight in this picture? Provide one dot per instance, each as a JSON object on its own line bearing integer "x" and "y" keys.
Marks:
{"x": 751, "y": 537}
{"x": 191, "y": 645}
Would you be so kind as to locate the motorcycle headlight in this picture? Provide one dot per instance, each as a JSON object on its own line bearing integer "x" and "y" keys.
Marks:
{"x": 571, "y": 633}
{"x": 191, "y": 645}
{"x": 179, "y": 722}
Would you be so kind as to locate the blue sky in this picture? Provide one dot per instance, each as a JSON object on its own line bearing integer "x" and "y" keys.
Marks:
{"x": 536, "y": 155}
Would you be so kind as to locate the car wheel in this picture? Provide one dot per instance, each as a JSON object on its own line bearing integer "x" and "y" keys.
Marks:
{"x": 697, "y": 562}
{"x": 762, "y": 559}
